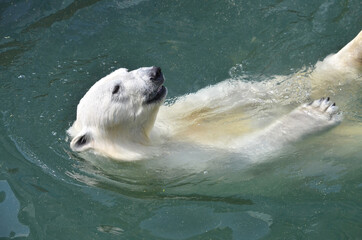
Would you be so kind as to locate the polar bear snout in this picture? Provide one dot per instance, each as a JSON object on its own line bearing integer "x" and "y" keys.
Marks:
{"x": 157, "y": 92}
{"x": 156, "y": 74}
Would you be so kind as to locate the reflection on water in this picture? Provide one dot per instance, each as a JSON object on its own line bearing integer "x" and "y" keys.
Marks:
{"x": 9, "y": 209}
{"x": 194, "y": 220}
{"x": 51, "y": 52}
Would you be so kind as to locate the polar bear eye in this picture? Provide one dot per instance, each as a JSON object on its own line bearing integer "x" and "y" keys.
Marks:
{"x": 115, "y": 89}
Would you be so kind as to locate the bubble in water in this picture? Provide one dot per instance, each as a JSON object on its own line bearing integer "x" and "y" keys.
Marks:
{"x": 236, "y": 71}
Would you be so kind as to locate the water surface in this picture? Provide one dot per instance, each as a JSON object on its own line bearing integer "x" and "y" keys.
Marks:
{"x": 51, "y": 52}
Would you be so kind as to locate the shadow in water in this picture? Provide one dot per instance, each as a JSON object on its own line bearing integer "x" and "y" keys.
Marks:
{"x": 9, "y": 209}
{"x": 61, "y": 15}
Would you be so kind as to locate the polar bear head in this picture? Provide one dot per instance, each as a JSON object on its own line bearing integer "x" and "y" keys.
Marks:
{"x": 119, "y": 108}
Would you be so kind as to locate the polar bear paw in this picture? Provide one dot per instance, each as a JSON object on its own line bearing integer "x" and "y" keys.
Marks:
{"x": 311, "y": 118}
{"x": 318, "y": 115}
{"x": 323, "y": 108}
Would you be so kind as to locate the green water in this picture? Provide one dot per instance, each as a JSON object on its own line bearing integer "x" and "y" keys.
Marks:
{"x": 51, "y": 52}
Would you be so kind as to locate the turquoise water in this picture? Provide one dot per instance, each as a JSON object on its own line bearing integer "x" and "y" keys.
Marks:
{"x": 51, "y": 52}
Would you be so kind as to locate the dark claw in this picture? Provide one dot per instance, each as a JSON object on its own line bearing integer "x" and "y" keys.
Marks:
{"x": 334, "y": 104}
{"x": 328, "y": 99}
{"x": 321, "y": 99}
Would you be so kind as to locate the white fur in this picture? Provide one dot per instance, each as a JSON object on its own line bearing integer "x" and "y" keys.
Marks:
{"x": 117, "y": 125}
{"x": 230, "y": 115}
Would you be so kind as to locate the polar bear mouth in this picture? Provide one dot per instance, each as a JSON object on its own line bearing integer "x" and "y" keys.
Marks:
{"x": 157, "y": 95}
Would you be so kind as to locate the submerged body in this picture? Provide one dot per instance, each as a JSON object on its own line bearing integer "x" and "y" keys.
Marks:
{"x": 123, "y": 117}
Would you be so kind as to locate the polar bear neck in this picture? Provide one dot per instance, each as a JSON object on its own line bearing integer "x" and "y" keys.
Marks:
{"x": 124, "y": 144}
{"x": 118, "y": 134}
{"x": 139, "y": 131}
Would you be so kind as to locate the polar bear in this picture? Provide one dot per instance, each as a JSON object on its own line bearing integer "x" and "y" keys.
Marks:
{"x": 123, "y": 115}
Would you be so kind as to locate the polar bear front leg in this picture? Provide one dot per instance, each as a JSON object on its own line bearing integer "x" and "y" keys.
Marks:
{"x": 337, "y": 70}
{"x": 305, "y": 120}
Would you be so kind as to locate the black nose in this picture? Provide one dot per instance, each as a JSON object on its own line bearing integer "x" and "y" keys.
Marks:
{"x": 155, "y": 73}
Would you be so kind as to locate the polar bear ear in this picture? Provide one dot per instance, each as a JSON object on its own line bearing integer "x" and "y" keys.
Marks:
{"x": 81, "y": 142}
{"x": 121, "y": 70}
